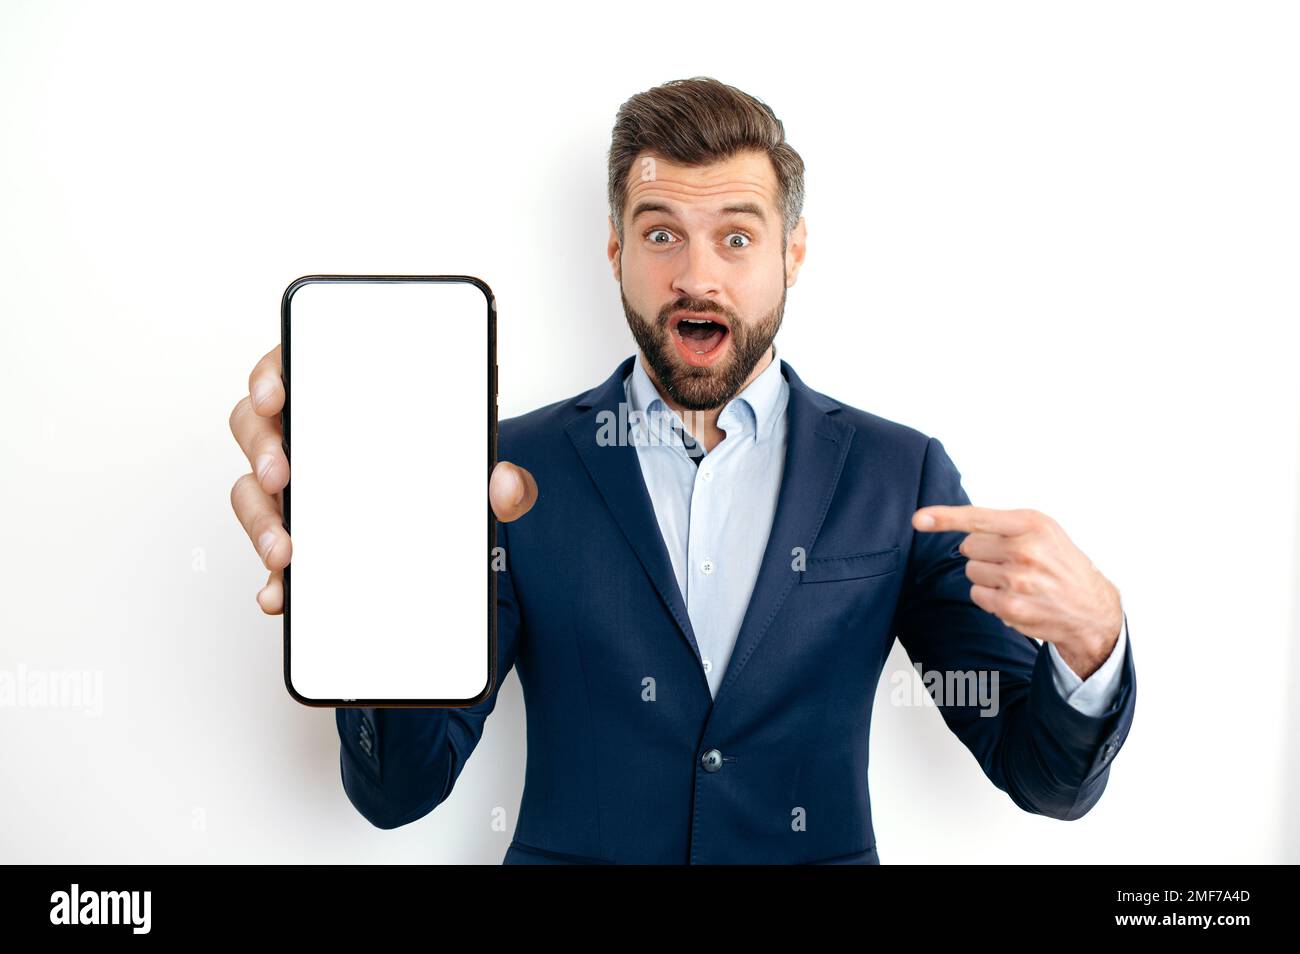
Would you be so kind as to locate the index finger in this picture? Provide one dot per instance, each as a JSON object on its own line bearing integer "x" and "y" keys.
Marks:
{"x": 971, "y": 519}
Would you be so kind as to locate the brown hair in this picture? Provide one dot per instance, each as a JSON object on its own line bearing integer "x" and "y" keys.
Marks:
{"x": 695, "y": 122}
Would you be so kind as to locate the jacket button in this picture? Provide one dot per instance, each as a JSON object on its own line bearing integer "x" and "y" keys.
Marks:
{"x": 711, "y": 760}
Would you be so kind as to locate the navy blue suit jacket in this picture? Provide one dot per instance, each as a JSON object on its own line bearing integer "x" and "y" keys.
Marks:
{"x": 589, "y": 610}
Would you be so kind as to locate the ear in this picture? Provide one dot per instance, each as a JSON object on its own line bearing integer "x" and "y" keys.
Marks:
{"x": 613, "y": 250}
{"x": 795, "y": 248}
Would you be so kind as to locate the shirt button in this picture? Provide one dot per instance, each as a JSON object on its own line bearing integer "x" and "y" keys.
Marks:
{"x": 706, "y": 567}
{"x": 706, "y": 473}
{"x": 708, "y": 665}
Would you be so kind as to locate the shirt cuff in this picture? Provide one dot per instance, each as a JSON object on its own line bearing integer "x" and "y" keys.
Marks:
{"x": 1096, "y": 694}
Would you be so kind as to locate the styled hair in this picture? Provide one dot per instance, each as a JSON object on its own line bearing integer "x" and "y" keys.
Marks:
{"x": 699, "y": 121}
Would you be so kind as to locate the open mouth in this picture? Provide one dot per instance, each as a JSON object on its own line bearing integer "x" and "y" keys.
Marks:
{"x": 700, "y": 338}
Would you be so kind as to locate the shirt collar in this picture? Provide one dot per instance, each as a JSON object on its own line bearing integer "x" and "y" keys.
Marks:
{"x": 762, "y": 397}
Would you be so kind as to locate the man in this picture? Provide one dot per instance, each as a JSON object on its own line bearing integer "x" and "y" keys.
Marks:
{"x": 708, "y": 561}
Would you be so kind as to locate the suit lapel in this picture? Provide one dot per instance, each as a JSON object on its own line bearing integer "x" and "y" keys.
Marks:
{"x": 817, "y": 444}
{"x": 616, "y": 472}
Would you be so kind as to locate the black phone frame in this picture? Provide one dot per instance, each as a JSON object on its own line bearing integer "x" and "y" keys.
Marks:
{"x": 285, "y": 310}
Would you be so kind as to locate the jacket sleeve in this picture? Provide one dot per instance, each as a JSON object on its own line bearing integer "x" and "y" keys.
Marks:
{"x": 1049, "y": 757}
{"x": 399, "y": 764}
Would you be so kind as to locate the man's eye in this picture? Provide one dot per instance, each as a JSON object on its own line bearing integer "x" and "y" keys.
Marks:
{"x": 738, "y": 235}
{"x": 653, "y": 232}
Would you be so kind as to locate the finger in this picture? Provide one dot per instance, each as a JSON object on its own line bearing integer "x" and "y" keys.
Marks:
{"x": 984, "y": 597}
{"x": 271, "y": 596}
{"x": 1013, "y": 609}
{"x": 512, "y": 491}
{"x": 260, "y": 439}
{"x": 989, "y": 547}
{"x": 969, "y": 519}
{"x": 265, "y": 386}
{"x": 259, "y": 514}
{"x": 991, "y": 575}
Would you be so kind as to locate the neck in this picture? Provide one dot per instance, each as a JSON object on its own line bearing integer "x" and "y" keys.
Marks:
{"x": 703, "y": 425}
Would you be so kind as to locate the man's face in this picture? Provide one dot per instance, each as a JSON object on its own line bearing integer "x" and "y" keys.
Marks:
{"x": 703, "y": 270}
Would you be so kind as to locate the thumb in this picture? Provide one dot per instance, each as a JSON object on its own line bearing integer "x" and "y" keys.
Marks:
{"x": 512, "y": 491}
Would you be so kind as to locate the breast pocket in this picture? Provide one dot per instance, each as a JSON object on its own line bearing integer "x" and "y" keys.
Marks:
{"x": 854, "y": 566}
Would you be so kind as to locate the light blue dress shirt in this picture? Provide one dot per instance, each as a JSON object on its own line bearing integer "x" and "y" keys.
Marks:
{"x": 715, "y": 518}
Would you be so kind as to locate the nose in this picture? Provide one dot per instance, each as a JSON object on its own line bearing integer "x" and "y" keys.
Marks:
{"x": 699, "y": 274}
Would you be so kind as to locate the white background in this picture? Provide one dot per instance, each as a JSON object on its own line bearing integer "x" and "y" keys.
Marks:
{"x": 1062, "y": 239}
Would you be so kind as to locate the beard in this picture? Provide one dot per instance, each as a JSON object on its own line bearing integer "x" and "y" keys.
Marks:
{"x": 702, "y": 389}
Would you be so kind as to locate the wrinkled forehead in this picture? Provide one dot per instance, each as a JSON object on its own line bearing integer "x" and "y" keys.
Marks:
{"x": 744, "y": 184}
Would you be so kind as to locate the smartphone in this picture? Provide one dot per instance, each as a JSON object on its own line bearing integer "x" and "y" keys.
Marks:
{"x": 390, "y": 411}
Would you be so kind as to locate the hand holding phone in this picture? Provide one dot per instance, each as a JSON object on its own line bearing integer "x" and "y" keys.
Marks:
{"x": 258, "y": 497}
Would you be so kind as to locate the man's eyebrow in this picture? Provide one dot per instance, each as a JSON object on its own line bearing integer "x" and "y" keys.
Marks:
{"x": 647, "y": 206}
{"x": 744, "y": 208}
{"x": 741, "y": 208}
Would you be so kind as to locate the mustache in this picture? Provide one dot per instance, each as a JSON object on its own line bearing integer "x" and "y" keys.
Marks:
{"x": 698, "y": 307}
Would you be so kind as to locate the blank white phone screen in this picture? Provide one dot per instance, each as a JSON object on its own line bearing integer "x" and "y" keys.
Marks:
{"x": 388, "y": 439}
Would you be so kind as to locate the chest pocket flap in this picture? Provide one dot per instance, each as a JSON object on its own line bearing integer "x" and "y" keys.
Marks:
{"x": 855, "y": 566}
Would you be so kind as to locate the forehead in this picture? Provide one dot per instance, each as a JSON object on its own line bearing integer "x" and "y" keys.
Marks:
{"x": 746, "y": 177}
